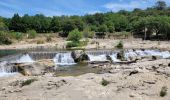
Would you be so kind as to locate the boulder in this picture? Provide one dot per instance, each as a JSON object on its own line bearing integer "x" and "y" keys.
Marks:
{"x": 79, "y": 55}
{"x": 36, "y": 68}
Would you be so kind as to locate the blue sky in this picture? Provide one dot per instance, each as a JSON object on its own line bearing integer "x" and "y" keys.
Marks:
{"x": 69, "y": 7}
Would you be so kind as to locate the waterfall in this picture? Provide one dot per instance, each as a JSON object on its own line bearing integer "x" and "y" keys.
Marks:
{"x": 114, "y": 57}
{"x": 97, "y": 58}
{"x": 130, "y": 53}
{"x": 63, "y": 59}
{"x": 6, "y": 69}
{"x": 166, "y": 54}
{"x": 25, "y": 59}
{"x": 141, "y": 53}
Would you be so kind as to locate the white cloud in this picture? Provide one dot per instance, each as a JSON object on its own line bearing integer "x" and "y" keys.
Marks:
{"x": 127, "y": 6}
{"x": 93, "y": 12}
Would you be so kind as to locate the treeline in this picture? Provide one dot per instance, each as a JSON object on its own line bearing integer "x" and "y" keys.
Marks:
{"x": 155, "y": 19}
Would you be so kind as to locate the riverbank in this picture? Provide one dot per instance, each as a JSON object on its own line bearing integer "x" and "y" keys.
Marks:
{"x": 137, "y": 81}
{"x": 60, "y": 43}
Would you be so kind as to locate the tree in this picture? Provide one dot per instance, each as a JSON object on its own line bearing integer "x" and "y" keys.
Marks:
{"x": 160, "y": 5}
{"x": 16, "y": 23}
{"x": 103, "y": 28}
{"x": 56, "y": 24}
{"x": 2, "y": 25}
{"x": 75, "y": 35}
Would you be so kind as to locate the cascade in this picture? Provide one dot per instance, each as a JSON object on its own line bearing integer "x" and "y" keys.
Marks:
{"x": 97, "y": 58}
{"x": 6, "y": 69}
{"x": 63, "y": 59}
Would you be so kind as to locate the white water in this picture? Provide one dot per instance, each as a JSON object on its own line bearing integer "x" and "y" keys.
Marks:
{"x": 114, "y": 57}
{"x": 97, "y": 58}
{"x": 130, "y": 53}
{"x": 145, "y": 53}
{"x": 25, "y": 59}
{"x": 5, "y": 69}
{"x": 64, "y": 59}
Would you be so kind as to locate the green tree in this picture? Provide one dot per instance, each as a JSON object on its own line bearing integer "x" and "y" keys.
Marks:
{"x": 160, "y": 5}
{"x": 75, "y": 35}
{"x": 103, "y": 28}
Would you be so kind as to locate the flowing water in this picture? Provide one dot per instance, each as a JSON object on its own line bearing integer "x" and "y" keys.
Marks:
{"x": 97, "y": 58}
{"x": 64, "y": 59}
{"x": 6, "y": 69}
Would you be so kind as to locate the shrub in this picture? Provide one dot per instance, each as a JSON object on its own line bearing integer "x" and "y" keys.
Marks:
{"x": 119, "y": 45}
{"x": 17, "y": 35}
{"x": 31, "y": 34}
{"x": 163, "y": 91}
{"x": 91, "y": 34}
{"x": 72, "y": 44}
{"x": 40, "y": 42}
{"x": 75, "y": 35}
{"x": 4, "y": 38}
{"x": 28, "y": 82}
{"x": 104, "y": 82}
{"x": 49, "y": 38}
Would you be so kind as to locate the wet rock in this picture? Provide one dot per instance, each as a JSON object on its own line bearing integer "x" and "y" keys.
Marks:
{"x": 79, "y": 55}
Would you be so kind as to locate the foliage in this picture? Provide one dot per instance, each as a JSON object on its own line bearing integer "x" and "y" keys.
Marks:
{"x": 17, "y": 35}
{"x": 28, "y": 82}
{"x": 155, "y": 19}
{"x": 163, "y": 91}
{"x": 87, "y": 33}
{"x": 72, "y": 44}
{"x": 31, "y": 34}
{"x": 119, "y": 45}
{"x": 75, "y": 35}
{"x": 4, "y": 38}
{"x": 104, "y": 82}
{"x": 160, "y": 5}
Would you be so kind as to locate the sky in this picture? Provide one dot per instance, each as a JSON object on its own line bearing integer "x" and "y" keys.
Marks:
{"x": 69, "y": 7}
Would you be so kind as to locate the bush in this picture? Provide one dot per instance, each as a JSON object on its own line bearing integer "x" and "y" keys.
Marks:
{"x": 40, "y": 42}
{"x": 28, "y": 82}
{"x": 48, "y": 39}
{"x": 31, "y": 34}
{"x": 4, "y": 38}
{"x": 17, "y": 35}
{"x": 120, "y": 45}
{"x": 163, "y": 91}
{"x": 72, "y": 44}
{"x": 75, "y": 35}
{"x": 104, "y": 82}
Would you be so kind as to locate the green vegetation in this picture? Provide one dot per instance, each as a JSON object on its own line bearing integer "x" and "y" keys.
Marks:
{"x": 74, "y": 36}
{"x": 72, "y": 44}
{"x": 104, "y": 82}
{"x": 163, "y": 91}
{"x": 31, "y": 34}
{"x": 28, "y": 82}
{"x": 142, "y": 23}
{"x": 119, "y": 45}
{"x": 4, "y": 38}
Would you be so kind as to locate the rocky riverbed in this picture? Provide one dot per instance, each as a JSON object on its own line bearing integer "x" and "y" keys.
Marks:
{"x": 137, "y": 81}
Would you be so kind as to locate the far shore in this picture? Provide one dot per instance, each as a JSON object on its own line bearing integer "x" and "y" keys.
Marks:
{"x": 60, "y": 44}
